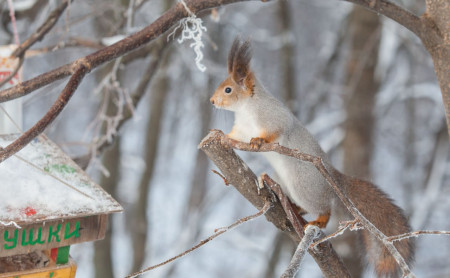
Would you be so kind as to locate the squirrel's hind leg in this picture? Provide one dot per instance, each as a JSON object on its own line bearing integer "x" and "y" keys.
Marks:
{"x": 321, "y": 221}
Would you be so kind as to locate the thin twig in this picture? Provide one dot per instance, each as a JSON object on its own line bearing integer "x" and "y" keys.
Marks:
{"x": 311, "y": 233}
{"x": 415, "y": 234}
{"x": 158, "y": 51}
{"x": 220, "y": 175}
{"x": 42, "y": 30}
{"x": 217, "y": 233}
{"x": 69, "y": 42}
{"x": 48, "y": 118}
{"x": 342, "y": 228}
{"x": 132, "y": 42}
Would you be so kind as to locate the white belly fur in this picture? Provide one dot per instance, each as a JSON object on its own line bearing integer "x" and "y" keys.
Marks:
{"x": 301, "y": 182}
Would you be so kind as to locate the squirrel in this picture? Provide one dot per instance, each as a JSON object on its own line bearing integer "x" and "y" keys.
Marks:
{"x": 261, "y": 118}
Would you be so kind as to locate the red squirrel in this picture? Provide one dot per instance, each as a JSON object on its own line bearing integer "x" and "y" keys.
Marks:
{"x": 260, "y": 117}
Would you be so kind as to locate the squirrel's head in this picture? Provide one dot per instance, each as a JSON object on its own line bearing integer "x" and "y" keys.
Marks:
{"x": 239, "y": 84}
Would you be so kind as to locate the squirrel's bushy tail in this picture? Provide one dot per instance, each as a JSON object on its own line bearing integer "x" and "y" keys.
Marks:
{"x": 380, "y": 210}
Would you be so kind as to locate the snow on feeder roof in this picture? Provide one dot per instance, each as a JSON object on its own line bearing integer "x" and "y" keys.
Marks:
{"x": 50, "y": 200}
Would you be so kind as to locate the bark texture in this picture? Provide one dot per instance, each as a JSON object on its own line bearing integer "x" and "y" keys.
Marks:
{"x": 238, "y": 174}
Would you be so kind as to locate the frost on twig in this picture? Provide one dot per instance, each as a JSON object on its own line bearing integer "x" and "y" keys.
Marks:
{"x": 192, "y": 29}
{"x": 416, "y": 234}
{"x": 311, "y": 233}
{"x": 353, "y": 225}
{"x": 115, "y": 100}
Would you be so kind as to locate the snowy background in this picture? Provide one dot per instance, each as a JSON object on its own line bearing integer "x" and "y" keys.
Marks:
{"x": 185, "y": 201}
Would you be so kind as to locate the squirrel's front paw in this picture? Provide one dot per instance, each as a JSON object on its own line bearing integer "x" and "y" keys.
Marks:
{"x": 256, "y": 143}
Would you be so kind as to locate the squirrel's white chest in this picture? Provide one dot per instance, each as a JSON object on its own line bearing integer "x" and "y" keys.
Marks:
{"x": 245, "y": 127}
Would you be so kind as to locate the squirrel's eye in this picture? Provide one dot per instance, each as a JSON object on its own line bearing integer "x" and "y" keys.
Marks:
{"x": 227, "y": 90}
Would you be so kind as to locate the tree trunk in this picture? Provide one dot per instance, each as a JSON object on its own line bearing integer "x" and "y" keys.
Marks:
{"x": 140, "y": 221}
{"x": 102, "y": 254}
{"x": 362, "y": 86}
{"x": 111, "y": 161}
{"x": 438, "y": 18}
{"x": 287, "y": 55}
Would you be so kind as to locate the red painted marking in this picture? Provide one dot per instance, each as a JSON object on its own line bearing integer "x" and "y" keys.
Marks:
{"x": 30, "y": 211}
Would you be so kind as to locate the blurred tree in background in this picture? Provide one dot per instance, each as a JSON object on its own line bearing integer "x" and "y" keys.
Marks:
{"x": 363, "y": 85}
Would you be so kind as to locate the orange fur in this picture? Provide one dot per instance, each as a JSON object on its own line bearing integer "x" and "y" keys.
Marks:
{"x": 321, "y": 221}
{"x": 222, "y": 99}
{"x": 268, "y": 136}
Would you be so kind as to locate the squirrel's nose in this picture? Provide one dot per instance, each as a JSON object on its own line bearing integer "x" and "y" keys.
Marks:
{"x": 212, "y": 101}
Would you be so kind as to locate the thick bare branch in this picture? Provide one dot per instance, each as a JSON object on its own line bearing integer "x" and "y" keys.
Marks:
{"x": 297, "y": 221}
{"x": 432, "y": 28}
{"x": 130, "y": 43}
{"x": 327, "y": 172}
{"x": 154, "y": 30}
{"x": 238, "y": 174}
{"x": 48, "y": 118}
{"x": 394, "y": 12}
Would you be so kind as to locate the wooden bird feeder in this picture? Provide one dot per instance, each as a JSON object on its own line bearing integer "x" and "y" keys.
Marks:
{"x": 47, "y": 203}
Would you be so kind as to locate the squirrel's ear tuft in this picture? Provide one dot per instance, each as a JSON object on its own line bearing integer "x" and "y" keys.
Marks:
{"x": 239, "y": 60}
{"x": 232, "y": 54}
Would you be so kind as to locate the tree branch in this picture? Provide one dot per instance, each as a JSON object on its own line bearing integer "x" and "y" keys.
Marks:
{"x": 48, "y": 118}
{"x": 237, "y": 173}
{"x": 326, "y": 170}
{"x": 130, "y": 43}
{"x": 42, "y": 30}
{"x": 19, "y": 52}
{"x": 217, "y": 233}
{"x": 297, "y": 221}
{"x": 433, "y": 30}
{"x": 394, "y": 12}
{"x": 311, "y": 233}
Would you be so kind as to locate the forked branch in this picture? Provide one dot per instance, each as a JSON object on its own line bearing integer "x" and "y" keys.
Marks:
{"x": 325, "y": 170}
{"x": 42, "y": 30}
{"x": 238, "y": 174}
{"x": 90, "y": 62}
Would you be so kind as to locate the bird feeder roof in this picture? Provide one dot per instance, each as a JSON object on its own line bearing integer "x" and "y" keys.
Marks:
{"x": 41, "y": 183}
